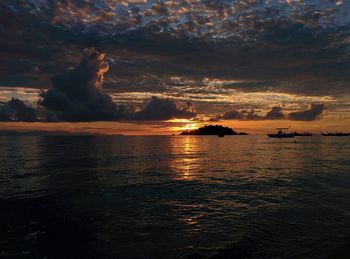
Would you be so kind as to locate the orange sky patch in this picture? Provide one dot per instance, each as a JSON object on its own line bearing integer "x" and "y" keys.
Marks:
{"x": 175, "y": 127}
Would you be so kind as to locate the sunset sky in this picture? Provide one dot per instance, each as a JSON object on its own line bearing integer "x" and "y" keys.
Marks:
{"x": 252, "y": 65}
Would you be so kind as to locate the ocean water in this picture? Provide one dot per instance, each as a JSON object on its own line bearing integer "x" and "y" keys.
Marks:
{"x": 174, "y": 197}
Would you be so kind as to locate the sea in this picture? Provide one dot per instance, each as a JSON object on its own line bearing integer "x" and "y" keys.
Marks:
{"x": 174, "y": 197}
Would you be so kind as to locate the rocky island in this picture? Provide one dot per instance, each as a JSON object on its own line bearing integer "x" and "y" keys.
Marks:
{"x": 212, "y": 130}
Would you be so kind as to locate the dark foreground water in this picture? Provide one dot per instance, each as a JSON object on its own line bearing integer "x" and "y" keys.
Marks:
{"x": 169, "y": 197}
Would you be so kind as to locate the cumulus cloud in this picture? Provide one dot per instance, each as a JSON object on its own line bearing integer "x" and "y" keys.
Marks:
{"x": 313, "y": 112}
{"x": 165, "y": 109}
{"x": 17, "y": 110}
{"x": 76, "y": 94}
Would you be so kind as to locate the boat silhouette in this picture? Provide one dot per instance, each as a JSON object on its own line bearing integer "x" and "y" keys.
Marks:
{"x": 281, "y": 133}
{"x": 335, "y": 134}
{"x": 304, "y": 134}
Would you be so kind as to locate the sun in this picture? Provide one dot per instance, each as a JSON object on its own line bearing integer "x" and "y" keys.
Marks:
{"x": 190, "y": 126}
{"x": 182, "y": 124}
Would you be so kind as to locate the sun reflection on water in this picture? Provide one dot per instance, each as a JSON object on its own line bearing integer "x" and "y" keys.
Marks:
{"x": 186, "y": 160}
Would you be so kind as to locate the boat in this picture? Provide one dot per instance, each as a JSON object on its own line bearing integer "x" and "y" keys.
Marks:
{"x": 221, "y": 135}
{"x": 304, "y": 134}
{"x": 281, "y": 133}
{"x": 335, "y": 134}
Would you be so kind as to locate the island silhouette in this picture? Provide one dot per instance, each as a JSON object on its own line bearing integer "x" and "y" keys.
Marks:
{"x": 212, "y": 130}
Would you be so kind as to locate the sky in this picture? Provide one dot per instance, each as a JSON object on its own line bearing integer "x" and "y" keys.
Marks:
{"x": 253, "y": 65}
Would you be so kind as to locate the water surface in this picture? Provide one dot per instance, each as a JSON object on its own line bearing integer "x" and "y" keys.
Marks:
{"x": 173, "y": 196}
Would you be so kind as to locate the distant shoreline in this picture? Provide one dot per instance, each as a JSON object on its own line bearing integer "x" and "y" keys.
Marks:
{"x": 66, "y": 133}
{"x": 52, "y": 133}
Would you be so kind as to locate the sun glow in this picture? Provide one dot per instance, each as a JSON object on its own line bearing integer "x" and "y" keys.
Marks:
{"x": 190, "y": 126}
{"x": 179, "y": 120}
{"x": 184, "y": 126}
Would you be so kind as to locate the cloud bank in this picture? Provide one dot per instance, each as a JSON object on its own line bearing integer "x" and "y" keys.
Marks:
{"x": 17, "y": 110}
{"x": 311, "y": 113}
{"x": 77, "y": 95}
{"x": 165, "y": 109}
{"x": 288, "y": 46}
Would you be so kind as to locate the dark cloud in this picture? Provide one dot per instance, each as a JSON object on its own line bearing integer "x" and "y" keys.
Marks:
{"x": 302, "y": 29}
{"x": 241, "y": 115}
{"x": 76, "y": 95}
{"x": 17, "y": 110}
{"x": 232, "y": 115}
{"x": 313, "y": 112}
{"x": 165, "y": 109}
{"x": 275, "y": 113}
{"x": 250, "y": 114}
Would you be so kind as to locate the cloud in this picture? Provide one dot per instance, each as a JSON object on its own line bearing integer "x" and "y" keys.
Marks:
{"x": 294, "y": 47}
{"x": 76, "y": 94}
{"x": 313, "y": 112}
{"x": 240, "y": 115}
{"x": 165, "y": 109}
{"x": 17, "y": 110}
{"x": 275, "y": 114}
{"x": 232, "y": 115}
